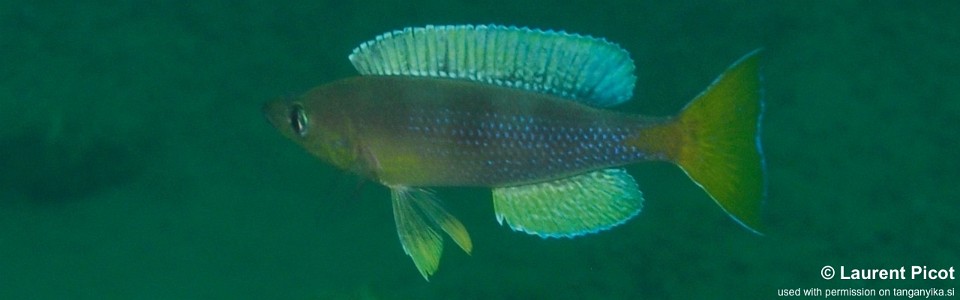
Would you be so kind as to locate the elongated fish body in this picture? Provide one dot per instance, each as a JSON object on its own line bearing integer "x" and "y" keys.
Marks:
{"x": 417, "y": 131}
{"x": 522, "y": 112}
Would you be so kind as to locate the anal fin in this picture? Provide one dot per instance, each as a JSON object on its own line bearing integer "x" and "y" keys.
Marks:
{"x": 418, "y": 215}
{"x": 570, "y": 207}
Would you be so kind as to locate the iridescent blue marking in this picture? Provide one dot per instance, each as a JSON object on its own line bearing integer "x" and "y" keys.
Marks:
{"x": 514, "y": 146}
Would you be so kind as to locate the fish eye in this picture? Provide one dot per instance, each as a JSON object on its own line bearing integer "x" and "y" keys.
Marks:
{"x": 298, "y": 119}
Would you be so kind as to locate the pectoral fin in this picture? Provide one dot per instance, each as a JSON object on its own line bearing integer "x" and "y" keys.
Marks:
{"x": 569, "y": 207}
{"x": 419, "y": 215}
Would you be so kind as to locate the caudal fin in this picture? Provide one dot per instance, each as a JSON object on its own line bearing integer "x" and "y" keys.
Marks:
{"x": 716, "y": 141}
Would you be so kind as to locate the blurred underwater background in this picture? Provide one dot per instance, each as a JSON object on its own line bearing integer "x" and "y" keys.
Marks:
{"x": 135, "y": 162}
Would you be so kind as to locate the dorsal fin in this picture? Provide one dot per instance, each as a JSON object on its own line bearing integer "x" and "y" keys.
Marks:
{"x": 582, "y": 68}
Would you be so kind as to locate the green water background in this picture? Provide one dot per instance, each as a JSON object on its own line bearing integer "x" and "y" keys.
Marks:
{"x": 135, "y": 163}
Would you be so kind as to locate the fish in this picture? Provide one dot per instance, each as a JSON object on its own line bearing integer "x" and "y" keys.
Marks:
{"x": 526, "y": 113}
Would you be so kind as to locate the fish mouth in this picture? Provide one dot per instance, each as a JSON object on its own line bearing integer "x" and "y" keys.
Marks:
{"x": 275, "y": 112}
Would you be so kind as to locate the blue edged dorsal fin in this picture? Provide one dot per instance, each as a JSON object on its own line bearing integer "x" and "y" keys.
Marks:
{"x": 569, "y": 207}
{"x": 582, "y": 68}
{"x": 419, "y": 216}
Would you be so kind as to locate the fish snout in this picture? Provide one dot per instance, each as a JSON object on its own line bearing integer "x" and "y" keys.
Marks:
{"x": 275, "y": 112}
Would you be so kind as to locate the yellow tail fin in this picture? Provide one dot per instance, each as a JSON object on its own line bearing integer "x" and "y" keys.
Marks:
{"x": 716, "y": 141}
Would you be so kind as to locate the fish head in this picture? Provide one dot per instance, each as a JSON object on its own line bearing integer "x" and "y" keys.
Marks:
{"x": 323, "y": 131}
